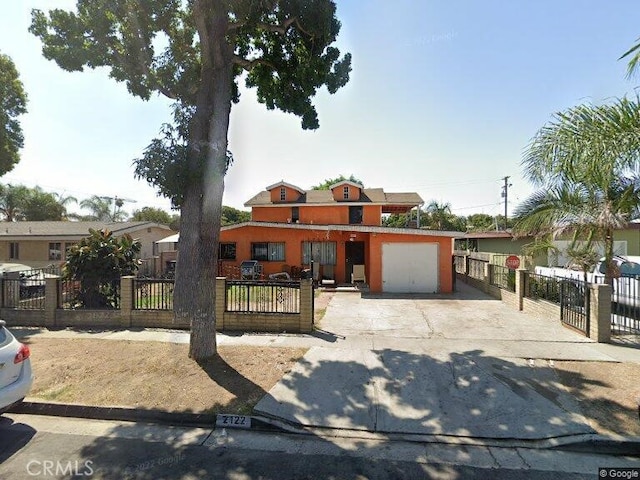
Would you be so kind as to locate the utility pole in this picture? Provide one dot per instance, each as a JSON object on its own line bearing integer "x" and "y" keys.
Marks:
{"x": 505, "y": 195}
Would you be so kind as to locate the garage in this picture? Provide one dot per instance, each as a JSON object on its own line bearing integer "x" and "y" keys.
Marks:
{"x": 410, "y": 267}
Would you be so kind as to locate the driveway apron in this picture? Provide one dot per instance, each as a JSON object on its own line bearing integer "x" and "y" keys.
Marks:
{"x": 460, "y": 365}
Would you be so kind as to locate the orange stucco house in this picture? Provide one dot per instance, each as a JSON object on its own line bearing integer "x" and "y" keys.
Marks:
{"x": 340, "y": 230}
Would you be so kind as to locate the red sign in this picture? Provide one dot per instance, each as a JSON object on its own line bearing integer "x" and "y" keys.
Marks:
{"x": 512, "y": 262}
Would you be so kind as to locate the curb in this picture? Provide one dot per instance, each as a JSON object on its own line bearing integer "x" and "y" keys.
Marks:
{"x": 591, "y": 443}
{"x": 124, "y": 414}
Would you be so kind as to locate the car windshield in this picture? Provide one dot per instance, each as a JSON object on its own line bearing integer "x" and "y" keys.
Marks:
{"x": 630, "y": 269}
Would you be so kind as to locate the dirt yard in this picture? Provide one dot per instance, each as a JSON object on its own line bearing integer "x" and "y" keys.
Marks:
{"x": 608, "y": 394}
{"x": 155, "y": 375}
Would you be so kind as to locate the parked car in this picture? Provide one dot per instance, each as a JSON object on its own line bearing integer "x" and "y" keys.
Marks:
{"x": 626, "y": 281}
{"x": 32, "y": 280}
{"x": 16, "y": 376}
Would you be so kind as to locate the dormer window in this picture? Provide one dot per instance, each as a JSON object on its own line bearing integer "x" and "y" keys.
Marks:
{"x": 283, "y": 194}
{"x": 345, "y": 192}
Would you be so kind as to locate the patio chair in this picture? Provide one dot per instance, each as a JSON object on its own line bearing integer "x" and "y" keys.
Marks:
{"x": 358, "y": 274}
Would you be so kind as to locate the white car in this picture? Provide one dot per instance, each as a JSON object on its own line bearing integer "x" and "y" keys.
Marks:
{"x": 16, "y": 376}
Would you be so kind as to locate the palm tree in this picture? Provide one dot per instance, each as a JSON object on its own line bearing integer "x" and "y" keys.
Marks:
{"x": 439, "y": 215}
{"x": 12, "y": 201}
{"x": 63, "y": 202}
{"x": 585, "y": 162}
{"x": 100, "y": 208}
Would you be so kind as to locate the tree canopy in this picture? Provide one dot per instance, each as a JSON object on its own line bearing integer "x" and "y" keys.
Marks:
{"x": 331, "y": 181}
{"x": 195, "y": 53}
{"x": 151, "y": 214}
{"x": 13, "y": 103}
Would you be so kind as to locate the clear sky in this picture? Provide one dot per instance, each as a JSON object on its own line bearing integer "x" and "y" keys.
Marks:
{"x": 443, "y": 98}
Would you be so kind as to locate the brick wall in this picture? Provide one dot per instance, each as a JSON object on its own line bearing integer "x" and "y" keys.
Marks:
{"x": 128, "y": 317}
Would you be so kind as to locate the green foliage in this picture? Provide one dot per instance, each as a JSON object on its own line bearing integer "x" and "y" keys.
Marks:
{"x": 13, "y": 103}
{"x": 232, "y": 216}
{"x": 103, "y": 209}
{"x": 151, "y": 214}
{"x": 586, "y": 163}
{"x": 284, "y": 48}
{"x": 41, "y": 206}
{"x": 331, "y": 181}
{"x": 98, "y": 262}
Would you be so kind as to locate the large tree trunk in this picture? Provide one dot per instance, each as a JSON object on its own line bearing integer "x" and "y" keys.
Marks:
{"x": 196, "y": 269}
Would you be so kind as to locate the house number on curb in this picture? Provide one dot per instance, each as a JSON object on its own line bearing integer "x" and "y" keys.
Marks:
{"x": 235, "y": 421}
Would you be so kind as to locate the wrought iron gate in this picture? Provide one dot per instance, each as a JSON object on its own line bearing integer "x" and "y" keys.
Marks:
{"x": 574, "y": 304}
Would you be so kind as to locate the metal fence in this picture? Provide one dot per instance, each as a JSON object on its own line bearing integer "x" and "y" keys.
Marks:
{"x": 75, "y": 294}
{"x": 262, "y": 296}
{"x": 153, "y": 294}
{"x": 476, "y": 268}
{"x": 625, "y": 305}
{"x": 503, "y": 278}
{"x": 575, "y": 304}
{"x": 542, "y": 287}
{"x": 25, "y": 289}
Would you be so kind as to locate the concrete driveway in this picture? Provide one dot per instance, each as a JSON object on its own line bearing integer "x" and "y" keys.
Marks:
{"x": 460, "y": 365}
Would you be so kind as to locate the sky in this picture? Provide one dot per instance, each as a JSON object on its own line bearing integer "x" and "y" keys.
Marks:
{"x": 443, "y": 99}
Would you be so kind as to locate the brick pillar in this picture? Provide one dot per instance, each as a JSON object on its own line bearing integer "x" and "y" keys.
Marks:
{"x": 306, "y": 306}
{"x": 521, "y": 278}
{"x": 51, "y": 289}
{"x": 220, "y": 293}
{"x": 126, "y": 301}
{"x": 600, "y": 313}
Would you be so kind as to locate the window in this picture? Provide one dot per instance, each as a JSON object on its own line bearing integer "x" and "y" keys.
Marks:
{"x": 227, "y": 251}
{"x": 355, "y": 215}
{"x": 283, "y": 194}
{"x": 345, "y": 192}
{"x": 268, "y": 252}
{"x": 295, "y": 214}
{"x": 55, "y": 251}
{"x": 323, "y": 252}
{"x": 14, "y": 250}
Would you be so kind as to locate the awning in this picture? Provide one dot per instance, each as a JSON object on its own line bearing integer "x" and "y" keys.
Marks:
{"x": 170, "y": 239}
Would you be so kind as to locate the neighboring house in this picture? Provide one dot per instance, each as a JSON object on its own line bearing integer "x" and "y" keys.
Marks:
{"x": 39, "y": 244}
{"x": 502, "y": 244}
{"x": 340, "y": 230}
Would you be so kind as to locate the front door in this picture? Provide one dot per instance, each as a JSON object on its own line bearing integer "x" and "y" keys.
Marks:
{"x": 354, "y": 255}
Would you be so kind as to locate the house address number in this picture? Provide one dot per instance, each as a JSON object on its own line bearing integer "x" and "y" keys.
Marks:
{"x": 235, "y": 421}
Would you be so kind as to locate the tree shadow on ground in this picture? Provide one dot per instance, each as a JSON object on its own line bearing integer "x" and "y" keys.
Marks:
{"x": 462, "y": 394}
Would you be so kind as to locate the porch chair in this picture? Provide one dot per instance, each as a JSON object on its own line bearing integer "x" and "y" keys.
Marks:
{"x": 358, "y": 274}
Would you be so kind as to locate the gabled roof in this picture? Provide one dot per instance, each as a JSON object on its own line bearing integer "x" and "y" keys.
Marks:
{"x": 282, "y": 183}
{"x": 70, "y": 229}
{"x": 375, "y": 196}
{"x": 346, "y": 182}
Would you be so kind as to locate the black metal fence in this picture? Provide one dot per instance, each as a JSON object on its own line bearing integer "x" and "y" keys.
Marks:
{"x": 153, "y": 294}
{"x": 75, "y": 294}
{"x": 262, "y": 296}
{"x": 625, "y": 305}
{"x": 542, "y": 287}
{"x": 25, "y": 289}
{"x": 574, "y": 304}
{"x": 503, "y": 278}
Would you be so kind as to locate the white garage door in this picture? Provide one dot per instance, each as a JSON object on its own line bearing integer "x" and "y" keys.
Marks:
{"x": 410, "y": 267}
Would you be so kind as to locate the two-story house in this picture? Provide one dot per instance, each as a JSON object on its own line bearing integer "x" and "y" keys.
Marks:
{"x": 340, "y": 232}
